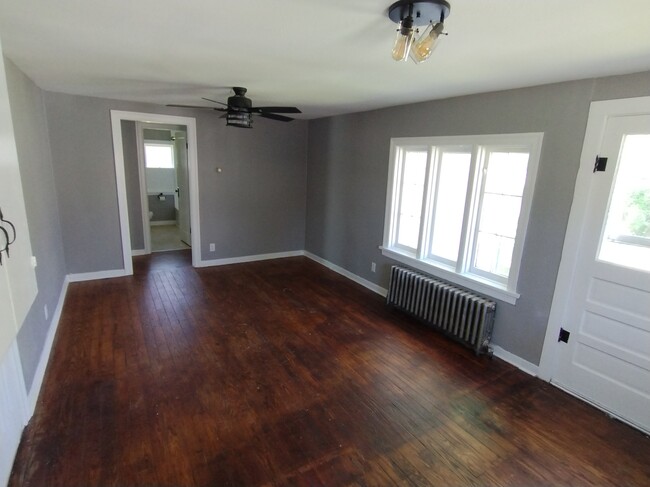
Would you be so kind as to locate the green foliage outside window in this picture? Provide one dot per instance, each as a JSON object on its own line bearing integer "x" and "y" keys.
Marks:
{"x": 637, "y": 214}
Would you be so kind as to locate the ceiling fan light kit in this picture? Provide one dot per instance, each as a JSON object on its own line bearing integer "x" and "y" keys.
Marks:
{"x": 239, "y": 119}
{"x": 410, "y": 15}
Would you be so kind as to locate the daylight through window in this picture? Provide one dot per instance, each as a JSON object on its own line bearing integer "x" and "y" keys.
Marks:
{"x": 458, "y": 207}
{"x": 159, "y": 155}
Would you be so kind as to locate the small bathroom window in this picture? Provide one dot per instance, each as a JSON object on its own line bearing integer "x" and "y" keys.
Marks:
{"x": 159, "y": 155}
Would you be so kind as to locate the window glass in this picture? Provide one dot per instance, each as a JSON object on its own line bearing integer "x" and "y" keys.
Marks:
{"x": 410, "y": 205}
{"x": 450, "y": 205}
{"x": 506, "y": 173}
{"x": 626, "y": 239}
{"x": 469, "y": 199}
{"x": 499, "y": 212}
{"x": 159, "y": 156}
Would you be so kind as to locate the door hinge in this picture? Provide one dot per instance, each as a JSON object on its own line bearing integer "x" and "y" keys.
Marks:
{"x": 600, "y": 164}
{"x": 563, "y": 336}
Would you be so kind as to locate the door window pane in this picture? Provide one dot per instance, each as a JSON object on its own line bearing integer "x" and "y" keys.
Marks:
{"x": 626, "y": 239}
{"x": 450, "y": 205}
{"x": 410, "y": 204}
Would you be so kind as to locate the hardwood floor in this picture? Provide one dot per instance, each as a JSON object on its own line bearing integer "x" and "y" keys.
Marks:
{"x": 284, "y": 373}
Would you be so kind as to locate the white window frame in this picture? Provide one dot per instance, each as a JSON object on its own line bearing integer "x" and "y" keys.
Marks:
{"x": 396, "y": 207}
{"x": 461, "y": 272}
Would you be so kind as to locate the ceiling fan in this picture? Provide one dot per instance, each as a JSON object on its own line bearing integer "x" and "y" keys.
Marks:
{"x": 240, "y": 110}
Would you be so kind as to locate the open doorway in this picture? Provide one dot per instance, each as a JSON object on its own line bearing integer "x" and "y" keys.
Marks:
{"x": 151, "y": 197}
{"x": 166, "y": 179}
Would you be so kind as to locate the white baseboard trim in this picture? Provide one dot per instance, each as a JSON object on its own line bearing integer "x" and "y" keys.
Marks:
{"x": 250, "y": 258}
{"x": 340, "y": 270}
{"x": 39, "y": 375}
{"x": 91, "y": 276}
{"x": 138, "y": 252}
{"x": 515, "y": 360}
{"x": 160, "y": 223}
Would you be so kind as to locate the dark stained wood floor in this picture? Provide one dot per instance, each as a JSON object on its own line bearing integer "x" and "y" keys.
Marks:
{"x": 284, "y": 373}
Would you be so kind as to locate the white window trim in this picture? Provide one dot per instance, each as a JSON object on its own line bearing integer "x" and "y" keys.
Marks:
{"x": 503, "y": 291}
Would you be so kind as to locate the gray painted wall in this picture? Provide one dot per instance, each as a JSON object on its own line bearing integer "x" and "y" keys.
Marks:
{"x": 163, "y": 210}
{"x": 37, "y": 178}
{"x": 256, "y": 205}
{"x": 348, "y": 170}
{"x": 132, "y": 177}
{"x": 84, "y": 171}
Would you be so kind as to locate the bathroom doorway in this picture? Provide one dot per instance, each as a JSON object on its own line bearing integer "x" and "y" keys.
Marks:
{"x": 181, "y": 191}
{"x": 166, "y": 179}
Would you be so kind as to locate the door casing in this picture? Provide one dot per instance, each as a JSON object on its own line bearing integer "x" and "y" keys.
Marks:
{"x": 116, "y": 119}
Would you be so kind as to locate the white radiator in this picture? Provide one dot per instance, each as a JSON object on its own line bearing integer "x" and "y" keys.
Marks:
{"x": 457, "y": 312}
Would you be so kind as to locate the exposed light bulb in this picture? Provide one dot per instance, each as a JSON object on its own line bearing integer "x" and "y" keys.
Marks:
{"x": 404, "y": 40}
{"x": 425, "y": 45}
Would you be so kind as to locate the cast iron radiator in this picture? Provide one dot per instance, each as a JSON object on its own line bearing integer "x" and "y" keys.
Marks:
{"x": 457, "y": 312}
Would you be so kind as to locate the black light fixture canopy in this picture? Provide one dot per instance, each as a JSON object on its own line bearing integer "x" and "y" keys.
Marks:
{"x": 422, "y": 11}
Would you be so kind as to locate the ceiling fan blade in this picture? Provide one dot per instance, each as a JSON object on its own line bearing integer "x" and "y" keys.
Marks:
{"x": 195, "y": 106}
{"x": 276, "y": 110}
{"x": 214, "y": 101}
{"x": 274, "y": 116}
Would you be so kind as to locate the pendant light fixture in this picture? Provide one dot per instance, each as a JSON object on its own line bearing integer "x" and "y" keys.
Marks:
{"x": 410, "y": 15}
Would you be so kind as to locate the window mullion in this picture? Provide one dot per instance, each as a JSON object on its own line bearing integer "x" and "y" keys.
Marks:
{"x": 428, "y": 202}
{"x": 397, "y": 195}
{"x": 481, "y": 173}
{"x": 469, "y": 216}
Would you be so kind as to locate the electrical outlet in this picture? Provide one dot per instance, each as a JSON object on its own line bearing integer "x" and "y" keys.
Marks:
{"x": 373, "y": 267}
{"x": 46, "y": 312}
{"x": 212, "y": 247}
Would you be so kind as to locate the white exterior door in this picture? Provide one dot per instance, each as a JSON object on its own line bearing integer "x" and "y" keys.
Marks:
{"x": 17, "y": 287}
{"x": 602, "y": 300}
{"x": 17, "y": 276}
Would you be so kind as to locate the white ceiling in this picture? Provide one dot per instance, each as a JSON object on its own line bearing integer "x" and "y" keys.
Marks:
{"x": 325, "y": 56}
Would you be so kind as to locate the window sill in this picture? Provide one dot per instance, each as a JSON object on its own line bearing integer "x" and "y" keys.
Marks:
{"x": 470, "y": 282}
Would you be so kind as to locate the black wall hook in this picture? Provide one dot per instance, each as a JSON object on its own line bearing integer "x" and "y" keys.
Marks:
{"x": 4, "y": 234}
{"x": 5, "y": 247}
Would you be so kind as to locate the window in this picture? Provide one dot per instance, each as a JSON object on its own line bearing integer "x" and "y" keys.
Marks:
{"x": 626, "y": 237}
{"x": 457, "y": 207}
{"x": 159, "y": 155}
